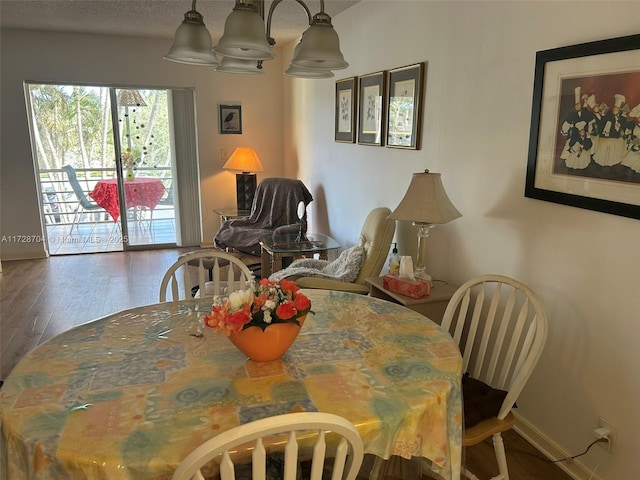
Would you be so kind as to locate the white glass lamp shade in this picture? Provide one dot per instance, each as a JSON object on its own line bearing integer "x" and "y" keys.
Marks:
{"x": 237, "y": 65}
{"x": 192, "y": 43}
{"x": 298, "y": 72}
{"x": 244, "y": 36}
{"x": 320, "y": 48}
{"x": 244, "y": 159}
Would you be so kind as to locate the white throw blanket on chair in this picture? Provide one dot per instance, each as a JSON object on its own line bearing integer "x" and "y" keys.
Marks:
{"x": 345, "y": 268}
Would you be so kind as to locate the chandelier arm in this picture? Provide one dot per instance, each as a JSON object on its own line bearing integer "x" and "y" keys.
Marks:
{"x": 273, "y": 6}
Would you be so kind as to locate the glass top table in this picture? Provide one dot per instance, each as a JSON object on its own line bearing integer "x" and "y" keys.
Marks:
{"x": 276, "y": 247}
{"x": 230, "y": 213}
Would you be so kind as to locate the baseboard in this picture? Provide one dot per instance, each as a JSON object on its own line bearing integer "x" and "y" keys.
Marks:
{"x": 551, "y": 450}
{"x": 8, "y": 257}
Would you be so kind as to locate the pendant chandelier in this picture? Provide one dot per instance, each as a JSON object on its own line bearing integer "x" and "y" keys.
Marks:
{"x": 245, "y": 44}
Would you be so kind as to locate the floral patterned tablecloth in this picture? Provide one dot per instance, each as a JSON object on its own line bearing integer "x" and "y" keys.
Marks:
{"x": 128, "y": 396}
{"x": 139, "y": 192}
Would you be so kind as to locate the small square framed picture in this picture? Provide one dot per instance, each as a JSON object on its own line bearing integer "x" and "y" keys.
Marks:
{"x": 230, "y": 118}
{"x": 346, "y": 113}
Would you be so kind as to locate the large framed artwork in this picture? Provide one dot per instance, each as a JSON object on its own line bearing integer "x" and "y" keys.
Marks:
{"x": 404, "y": 106}
{"x": 345, "y": 110}
{"x": 584, "y": 144}
{"x": 371, "y": 109}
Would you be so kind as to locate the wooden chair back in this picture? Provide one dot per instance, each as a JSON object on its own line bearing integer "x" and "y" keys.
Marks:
{"x": 219, "y": 272}
{"x": 299, "y": 435}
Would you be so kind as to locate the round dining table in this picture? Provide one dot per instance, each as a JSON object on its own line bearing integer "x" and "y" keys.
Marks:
{"x": 130, "y": 395}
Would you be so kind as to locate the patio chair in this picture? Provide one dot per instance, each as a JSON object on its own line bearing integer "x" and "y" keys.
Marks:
{"x": 84, "y": 204}
{"x": 500, "y": 326}
{"x": 291, "y": 433}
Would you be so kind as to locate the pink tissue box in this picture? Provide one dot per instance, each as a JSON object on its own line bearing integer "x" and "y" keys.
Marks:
{"x": 403, "y": 286}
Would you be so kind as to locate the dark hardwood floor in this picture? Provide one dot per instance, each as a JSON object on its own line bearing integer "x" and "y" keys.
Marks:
{"x": 41, "y": 298}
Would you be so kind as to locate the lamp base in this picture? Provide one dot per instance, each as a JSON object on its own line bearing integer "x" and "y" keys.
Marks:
{"x": 421, "y": 260}
{"x": 245, "y": 190}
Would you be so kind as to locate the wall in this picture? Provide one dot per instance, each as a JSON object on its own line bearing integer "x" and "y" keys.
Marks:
{"x": 127, "y": 61}
{"x": 479, "y": 83}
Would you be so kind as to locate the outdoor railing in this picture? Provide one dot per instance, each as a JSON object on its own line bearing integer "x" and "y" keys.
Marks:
{"x": 60, "y": 202}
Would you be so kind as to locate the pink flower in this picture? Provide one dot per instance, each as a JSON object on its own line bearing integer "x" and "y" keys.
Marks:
{"x": 289, "y": 286}
{"x": 286, "y": 310}
{"x": 301, "y": 302}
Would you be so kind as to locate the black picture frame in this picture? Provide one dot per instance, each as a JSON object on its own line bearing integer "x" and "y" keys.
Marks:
{"x": 581, "y": 152}
{"x": 405, "y": 87}
{"x": 371, "y": 108}
{"x": 345, "y": 110}
{"x": 230, "y": 119}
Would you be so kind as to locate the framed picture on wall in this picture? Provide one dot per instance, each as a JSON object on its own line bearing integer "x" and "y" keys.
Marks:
{"x": 230, "y": 118}
{"x": 346, "y": 113}
{"x": 404, "y": 106}
{"x": 371, "y": 109}
{"x": 584, "y": 143}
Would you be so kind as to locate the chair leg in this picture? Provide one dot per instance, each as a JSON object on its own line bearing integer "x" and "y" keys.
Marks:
{"x": 501, "y": 457}
{"x": 469, "y": 475}
{"x": 76, "y": 219}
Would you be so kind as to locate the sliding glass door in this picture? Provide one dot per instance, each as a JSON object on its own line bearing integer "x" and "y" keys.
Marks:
{"x": 105, "y": 164}
{"x": 146, "y": 186}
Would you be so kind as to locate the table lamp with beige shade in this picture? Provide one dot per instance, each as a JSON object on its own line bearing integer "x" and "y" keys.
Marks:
{"x": 245, "y": 160}
{"x": 426, "y": 204}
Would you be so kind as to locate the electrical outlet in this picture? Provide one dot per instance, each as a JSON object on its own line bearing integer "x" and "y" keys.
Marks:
{"x": 613, "y": 433}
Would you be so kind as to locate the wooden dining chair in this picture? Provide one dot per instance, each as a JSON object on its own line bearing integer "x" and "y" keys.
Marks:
{"x": 331, "y": 436}
{"x": 500, "y": 326}
{"x": 219, "y": 272}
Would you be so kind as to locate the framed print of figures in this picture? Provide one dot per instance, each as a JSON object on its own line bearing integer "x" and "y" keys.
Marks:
{"x": 345, "y": 122}
{"x": 404, "y": 109}
{"x": 230, "y": 118}
{"x": 584, "y": 144}
{"x": 371, "y": 109}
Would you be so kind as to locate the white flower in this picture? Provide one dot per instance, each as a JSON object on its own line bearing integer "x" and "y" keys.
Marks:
{"x": 239, "y": 298}
{"x": 270, "y": 304}
{"x": 267, "y": 316}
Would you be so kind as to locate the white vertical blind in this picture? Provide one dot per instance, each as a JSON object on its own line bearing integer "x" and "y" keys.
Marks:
{"x": 186, "y": 174}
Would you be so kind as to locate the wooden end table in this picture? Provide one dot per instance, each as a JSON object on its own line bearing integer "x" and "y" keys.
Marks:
{"x": 432, "y": 306}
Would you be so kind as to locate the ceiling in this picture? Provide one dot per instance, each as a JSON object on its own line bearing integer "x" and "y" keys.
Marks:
{"x": 150, "y": 18}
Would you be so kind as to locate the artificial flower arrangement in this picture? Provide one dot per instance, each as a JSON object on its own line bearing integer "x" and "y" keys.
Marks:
{"x": 262, "y": 304}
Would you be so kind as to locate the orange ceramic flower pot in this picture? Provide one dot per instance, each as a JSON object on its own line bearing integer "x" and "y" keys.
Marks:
{"x": 268, "y": 344}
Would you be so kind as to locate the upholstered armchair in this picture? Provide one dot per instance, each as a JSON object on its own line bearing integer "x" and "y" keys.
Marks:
{"x": 375, "y": 238}
{"x": 275, "y": 206}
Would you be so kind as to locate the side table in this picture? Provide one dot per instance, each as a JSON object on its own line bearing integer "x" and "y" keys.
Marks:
{"x": 275, "y": 248}
{"x": 231, "y": 213}
{"x": 432, "y": 306}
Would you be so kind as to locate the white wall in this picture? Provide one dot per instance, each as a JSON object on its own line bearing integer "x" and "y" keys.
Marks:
{"x": 127, "y": 61}
{"x": 585, "y": 265}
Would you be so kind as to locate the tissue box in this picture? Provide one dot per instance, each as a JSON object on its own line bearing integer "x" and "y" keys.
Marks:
{"x": 410, "y": 288}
